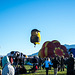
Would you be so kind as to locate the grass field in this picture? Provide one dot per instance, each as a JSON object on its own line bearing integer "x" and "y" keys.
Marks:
{"x": 43, "y": 71}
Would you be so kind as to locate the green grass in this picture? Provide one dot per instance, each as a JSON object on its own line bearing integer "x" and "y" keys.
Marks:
{"x": 0, "y": 67}
{"x": 43, "y": 71}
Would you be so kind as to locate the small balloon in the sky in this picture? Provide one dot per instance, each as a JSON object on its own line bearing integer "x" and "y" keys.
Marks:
{"x": 35, "y": 37}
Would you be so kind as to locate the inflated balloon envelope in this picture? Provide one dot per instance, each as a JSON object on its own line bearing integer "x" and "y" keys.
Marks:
{"x": 52, "y": 49}
{"x": 35, "y": 36}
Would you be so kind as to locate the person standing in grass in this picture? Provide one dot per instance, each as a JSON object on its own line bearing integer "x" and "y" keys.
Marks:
{"x": 39, "y": 62}
{"x": 55, "y": 65}
{"x": 70, "y": 65}
{"x": 47, "y": 63}
{"x": 62, "y": 63}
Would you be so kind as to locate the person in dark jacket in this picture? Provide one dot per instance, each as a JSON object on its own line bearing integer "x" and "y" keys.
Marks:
{"x": 59, "y": 60}
{"x": 34, "y": 60}
{"x": 70, "y": 65}
{"x": 55, "y": 65}
{"x": 39, "y": 62}
{"x": 22, "y": 69}
{"x": 62, "y": 63}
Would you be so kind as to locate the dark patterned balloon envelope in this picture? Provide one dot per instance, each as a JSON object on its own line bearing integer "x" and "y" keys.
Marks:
{"x": 52, "y": 49}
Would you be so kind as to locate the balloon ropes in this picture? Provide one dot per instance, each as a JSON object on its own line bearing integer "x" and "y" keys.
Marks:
{"x": 35, "y": 37}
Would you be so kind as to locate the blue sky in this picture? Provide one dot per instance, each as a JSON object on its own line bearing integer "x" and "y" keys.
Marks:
{"x": 54, "y": 18}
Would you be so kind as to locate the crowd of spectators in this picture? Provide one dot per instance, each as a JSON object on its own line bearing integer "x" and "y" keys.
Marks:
{"x": 58, "y": 63}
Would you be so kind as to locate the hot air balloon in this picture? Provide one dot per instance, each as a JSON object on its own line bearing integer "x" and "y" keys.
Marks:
{"x": 35, "y": 36}
{"x": 52, "y": 49}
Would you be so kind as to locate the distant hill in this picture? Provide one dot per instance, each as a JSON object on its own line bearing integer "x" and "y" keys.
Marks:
{"x": 34, "y": 54}
{"x": 67, "y": 46}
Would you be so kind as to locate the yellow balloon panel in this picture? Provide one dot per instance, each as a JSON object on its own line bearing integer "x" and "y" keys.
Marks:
{"x": 46, "y": 51}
